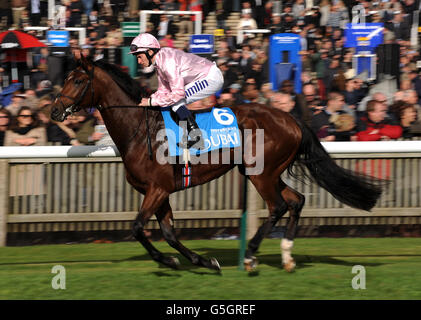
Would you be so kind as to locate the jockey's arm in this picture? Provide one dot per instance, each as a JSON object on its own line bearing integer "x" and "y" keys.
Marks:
{"x": 170, "y": 88}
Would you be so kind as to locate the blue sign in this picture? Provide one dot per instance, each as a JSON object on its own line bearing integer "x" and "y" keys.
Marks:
{"x": 58, "y": 38}
{"x": 219, "y": 130}
{"x": 202, "y": 44}
{"x": 364, "y": 36}
{"x": 285, "y": 60}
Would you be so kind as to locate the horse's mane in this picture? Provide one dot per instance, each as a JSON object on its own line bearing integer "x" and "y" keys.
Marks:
{"x": 130, "y": 86}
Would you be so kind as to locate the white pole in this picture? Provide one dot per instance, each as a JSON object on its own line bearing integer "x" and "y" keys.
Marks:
{"x": 198, "y": 23}
{"x": 51, "y": 5}
{"x": 4, "y": 196}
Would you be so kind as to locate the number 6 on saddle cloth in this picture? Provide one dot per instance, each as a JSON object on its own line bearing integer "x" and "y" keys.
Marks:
{"x": 219, "y": 130}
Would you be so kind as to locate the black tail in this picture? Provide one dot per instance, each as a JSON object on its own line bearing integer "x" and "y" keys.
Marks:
{"x": 350, "y": 188}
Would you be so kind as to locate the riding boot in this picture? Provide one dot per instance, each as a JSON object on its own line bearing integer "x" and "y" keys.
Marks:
{"x": 193, "y": 130}
{"x": 194, "y": 133}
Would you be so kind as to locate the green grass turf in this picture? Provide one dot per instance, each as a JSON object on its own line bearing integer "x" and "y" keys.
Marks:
{"x": 125, "y": 271}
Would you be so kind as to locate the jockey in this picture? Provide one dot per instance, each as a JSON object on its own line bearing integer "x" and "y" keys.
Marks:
{"x": 182, "y": 79}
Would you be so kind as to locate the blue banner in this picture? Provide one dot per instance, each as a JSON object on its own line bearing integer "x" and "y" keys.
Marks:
{"x": 285, "y": 60}
{"x": 58, "y": 38}
{"x": 202, "y": 44}
{"x": 363, "y": 35}
{"x": 219, "y": 130}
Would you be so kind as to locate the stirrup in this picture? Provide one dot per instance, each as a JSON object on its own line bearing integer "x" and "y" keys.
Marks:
{"x": 187, "y": 144}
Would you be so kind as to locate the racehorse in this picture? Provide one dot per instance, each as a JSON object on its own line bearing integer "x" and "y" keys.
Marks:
{"x": 286, "y": 141}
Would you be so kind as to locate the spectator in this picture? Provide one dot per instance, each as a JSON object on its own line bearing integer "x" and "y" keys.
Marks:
{"x": 87, "y": 6}
{"x": 5, "y": 117}
{"x": 234, "y": 89}
{"x": 411, "y": 97}
{"x": 276, "y": 26}
{"x": 44, "y": 87}
{"x": 5, "y": 13}
{"x": 17, "y": 102}
{"x": 171, "y": 5}
{"x": 399, "y": 26}
{"x": 353, "y": 93}
{"x": 321, "y": 122}
{"x": 34, "y": 9}
{"x": 18, "y": 7}
{"x": 375, "y": 126}
{"x": 283, "y": 101}
{"x": 83, "y": 125}
{"x": 249, "y": 93}
{"x": 267, "y": 93}
{"x": 167, "y": 41}
{"x": 333, "y": 76}
{"x": 301, "y": 111}
{"x": 310, "y": 94}
{"x": 288, "y": 22}
{"x": 165, "y": 27}
{"x": 186, "y": 25}
{"x": 226, "y": 99}
{"x": 324, "y": 12}
{"x": 221, "y": 13}
{"x": 343, "y": 127}
{"x": 25, "y": 130}
{"x": 230, "y": 75}
{"x": 76, "y": 10}
{"x": 407, "y": 115}
{"x": 298, "y": 8}
{"x": 245, "y": 23}
{"x": 100, "y": 135}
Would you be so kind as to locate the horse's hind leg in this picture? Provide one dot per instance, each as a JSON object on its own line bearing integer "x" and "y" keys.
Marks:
{"x": 164, "y": 216}
{"x": 151, "y": 204}
{"x": 295, "y": 201}
{"x": 277, "y": 208}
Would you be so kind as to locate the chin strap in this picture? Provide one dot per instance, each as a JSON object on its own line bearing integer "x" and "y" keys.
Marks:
{"x": 155, "y": 51}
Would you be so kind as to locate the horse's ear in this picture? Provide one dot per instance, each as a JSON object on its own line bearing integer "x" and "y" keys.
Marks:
{"x": 85, "y": 63}
{"x": 82, "y": 61}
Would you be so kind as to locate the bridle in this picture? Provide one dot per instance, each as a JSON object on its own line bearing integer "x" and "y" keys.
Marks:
{"x": 75, "y": 106}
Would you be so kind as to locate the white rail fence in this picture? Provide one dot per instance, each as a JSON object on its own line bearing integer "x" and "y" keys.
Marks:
{"x": 63, "y": 188}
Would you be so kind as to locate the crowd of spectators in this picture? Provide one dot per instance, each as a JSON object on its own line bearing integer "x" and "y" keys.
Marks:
{"x": 337, "y": 103}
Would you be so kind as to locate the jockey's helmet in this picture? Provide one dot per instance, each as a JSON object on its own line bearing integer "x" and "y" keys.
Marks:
{"x": 143, "y": 42}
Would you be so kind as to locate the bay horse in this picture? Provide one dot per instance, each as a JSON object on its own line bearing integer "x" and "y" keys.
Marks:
{"x": 286, "y": 141}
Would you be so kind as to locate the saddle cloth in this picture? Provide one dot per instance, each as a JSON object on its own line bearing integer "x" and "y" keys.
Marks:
{"x": 218, "y": 126}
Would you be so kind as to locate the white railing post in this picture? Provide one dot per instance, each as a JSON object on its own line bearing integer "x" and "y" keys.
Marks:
{"x": 197, "y": 23}
{"x": 252, "y": 210}
{"x": 4, "y": 197}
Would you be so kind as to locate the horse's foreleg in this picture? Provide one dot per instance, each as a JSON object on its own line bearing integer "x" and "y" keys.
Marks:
{"x": 164, "y": 216}
{"x": 151, "y": 203}
{"x": 295, "y": 201}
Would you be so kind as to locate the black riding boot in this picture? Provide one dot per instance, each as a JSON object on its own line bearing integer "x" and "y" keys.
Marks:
{"x": 193, "y": 130}
{"x": 194, "y": 133}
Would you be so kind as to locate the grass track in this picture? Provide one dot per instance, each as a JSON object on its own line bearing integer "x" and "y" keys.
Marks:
{"x": 125, "y": 271}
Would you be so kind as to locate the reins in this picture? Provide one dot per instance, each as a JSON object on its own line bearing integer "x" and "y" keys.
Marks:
{"x": 72, "y": 109}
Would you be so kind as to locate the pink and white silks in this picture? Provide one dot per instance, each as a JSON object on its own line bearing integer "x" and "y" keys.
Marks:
{"x": 184, "y": 78}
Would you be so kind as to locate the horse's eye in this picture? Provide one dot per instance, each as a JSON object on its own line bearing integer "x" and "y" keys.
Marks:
{"x": 78, "y": 81}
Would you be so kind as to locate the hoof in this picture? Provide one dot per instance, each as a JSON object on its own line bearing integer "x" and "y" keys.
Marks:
{"x": 250, "y": 264}
{"x": 290, "y": 266}
{"x": 215, "y": 264}
{"x": 171, "y": 262}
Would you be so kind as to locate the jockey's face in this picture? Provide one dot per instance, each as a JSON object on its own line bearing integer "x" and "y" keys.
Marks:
{"x": 143, "y": 60}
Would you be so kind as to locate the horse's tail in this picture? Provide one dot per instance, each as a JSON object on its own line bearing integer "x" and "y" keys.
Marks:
{"x": 350, "y": 188}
